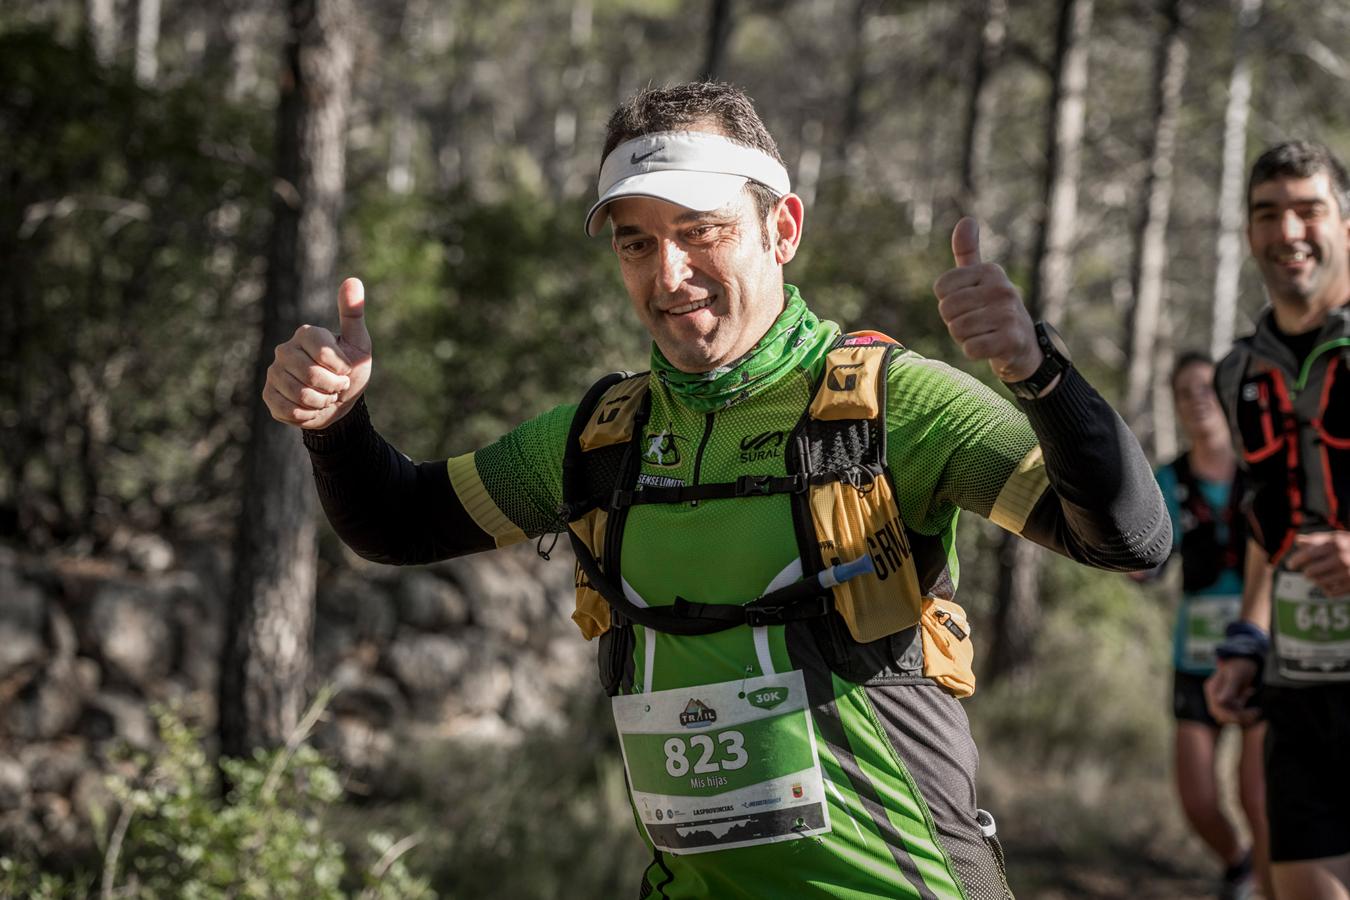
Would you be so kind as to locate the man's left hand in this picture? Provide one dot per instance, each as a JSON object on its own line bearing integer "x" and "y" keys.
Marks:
{"x": 984, "y": 312}
{"x": 1324, "y": 558}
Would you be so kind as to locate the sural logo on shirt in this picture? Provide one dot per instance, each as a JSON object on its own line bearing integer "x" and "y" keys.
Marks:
{"x": 766, "y": 445}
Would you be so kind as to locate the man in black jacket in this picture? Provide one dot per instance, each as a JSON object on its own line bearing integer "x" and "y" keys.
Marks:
{"x": 1286, "y": 390}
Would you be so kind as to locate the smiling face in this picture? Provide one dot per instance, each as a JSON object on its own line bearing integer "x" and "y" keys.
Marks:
{"x": 1299, "y": 237}
{"x": 707, "y": 285}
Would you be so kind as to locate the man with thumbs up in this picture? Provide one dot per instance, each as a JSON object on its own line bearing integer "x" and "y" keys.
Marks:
{"x": 764, "y": 522}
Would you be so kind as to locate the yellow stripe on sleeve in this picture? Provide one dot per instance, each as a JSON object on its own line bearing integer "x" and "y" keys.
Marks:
{"x": 474, "y": 496}
{"x": 1020, "y": 492}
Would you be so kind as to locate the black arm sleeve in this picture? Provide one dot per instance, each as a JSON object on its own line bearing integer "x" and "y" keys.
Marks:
{"x": 1104, "y": 507}
{"x": 383, "y": 505}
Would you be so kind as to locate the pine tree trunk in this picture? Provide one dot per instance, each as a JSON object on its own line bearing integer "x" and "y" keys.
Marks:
{"x": 1231, "y": 181}
{"x": 147, "y": 41}
{"x": 270, "y": 619}
{"x": 1053, "y": 274}
{"x": 1018, "y": 614}
{"x": 1150, "y": 261}
{"x": 1017, "y": 609}
{"x": 844, "y": 159}
{"x": 719, "y": 35}
{"x": 1164, "y": 407}
{"x": 807, "y": 182}
{"x": 561, "y": 166}
{"x": 101, "y": 26}
{"x": 978, "y": 131}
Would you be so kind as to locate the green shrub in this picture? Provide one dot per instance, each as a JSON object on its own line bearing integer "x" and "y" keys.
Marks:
{"x": 173, "y": 837}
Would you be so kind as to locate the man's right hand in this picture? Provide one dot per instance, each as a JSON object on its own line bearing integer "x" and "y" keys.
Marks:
{"x": 1324, "y": 559}
{"x": 1228, "y": 690}
{"x": 317, "y": 376}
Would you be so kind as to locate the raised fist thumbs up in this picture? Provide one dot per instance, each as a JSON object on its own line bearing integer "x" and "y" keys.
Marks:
{"x": 984, "y": 312}
{"x": 317, "y": 376}
{"x": 352, "y": 315}
{"x": 966, "y": 242}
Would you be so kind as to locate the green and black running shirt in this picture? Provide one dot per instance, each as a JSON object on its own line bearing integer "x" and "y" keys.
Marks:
{"x": 892, "y": 756}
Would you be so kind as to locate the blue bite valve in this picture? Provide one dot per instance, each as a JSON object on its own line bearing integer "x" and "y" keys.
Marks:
{"x": 844, "y": 571}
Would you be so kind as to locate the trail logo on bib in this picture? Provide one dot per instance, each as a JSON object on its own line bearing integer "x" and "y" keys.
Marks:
{"x": 697, "y": 714}
{"x": 767, "y": 698}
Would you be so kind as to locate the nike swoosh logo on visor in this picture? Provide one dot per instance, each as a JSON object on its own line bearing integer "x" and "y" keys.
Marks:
{"x": 635, "y": 158}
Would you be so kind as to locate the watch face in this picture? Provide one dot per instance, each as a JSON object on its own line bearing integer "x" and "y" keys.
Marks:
{"x": 1055, "y": 362}
{"x": 1048, "y": 332}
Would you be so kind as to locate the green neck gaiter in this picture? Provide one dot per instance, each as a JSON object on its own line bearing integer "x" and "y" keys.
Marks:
{"x": 788, "y": 341}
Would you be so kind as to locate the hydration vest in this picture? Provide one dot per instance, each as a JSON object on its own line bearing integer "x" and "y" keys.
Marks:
{"x": 1294, "y": 436}
{"x": 843, "y": 508}
{"x": 1203, "y": 557}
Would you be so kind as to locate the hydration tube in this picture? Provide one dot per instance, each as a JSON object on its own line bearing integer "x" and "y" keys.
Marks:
{"x": 834, "y": 575}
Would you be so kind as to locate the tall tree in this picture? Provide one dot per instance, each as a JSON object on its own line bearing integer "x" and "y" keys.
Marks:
{"x": 271, "y": 608}
{"x": 1150, "y": 255}
{"x": 561, "y": 164}
{"x": 719, "y": 35}
{"x": 100, "y": 19}
{"x": 1053, "y": 272}
{"x": 1164, "y": 407}
{"x": 978, "y": 130}
{"x": 147, "y": 41}
{"x": 845, "y": 151}
{"x": 1017, "y": 613}
{"x": 1231, "y": 202}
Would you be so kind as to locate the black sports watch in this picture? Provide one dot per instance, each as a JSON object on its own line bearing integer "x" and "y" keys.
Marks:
{"x": 1056, "y": 363}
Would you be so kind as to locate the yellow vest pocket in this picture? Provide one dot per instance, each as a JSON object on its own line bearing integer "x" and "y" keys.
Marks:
{"x": 948, "y": 654}
{"x": 851, "y": 523}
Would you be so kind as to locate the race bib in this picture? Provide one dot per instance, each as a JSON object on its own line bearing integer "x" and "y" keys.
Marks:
{"x": 1206, "y": 618}
{"x": 723, "y": 765}
{"x": 1311, "y": 633}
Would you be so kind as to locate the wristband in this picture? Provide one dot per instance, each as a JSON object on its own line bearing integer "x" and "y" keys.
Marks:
{"x": 1243, "y": 640}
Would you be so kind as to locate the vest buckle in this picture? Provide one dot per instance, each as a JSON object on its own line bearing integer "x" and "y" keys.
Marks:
{"x": 754, "y": 485}
{"x": 763, "y": 485}
{"x": 781, "y": 613}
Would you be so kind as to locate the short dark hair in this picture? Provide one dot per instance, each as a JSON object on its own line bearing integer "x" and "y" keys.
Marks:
{"x": 1301, "y": 159}
{"x": 682, "y": 106}
{"x": 1187, "y": 359}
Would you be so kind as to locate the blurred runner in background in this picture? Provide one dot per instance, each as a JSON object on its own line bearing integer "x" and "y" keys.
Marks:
{"x": 1203, "y": 499}
{"x": 1286, "y": 390}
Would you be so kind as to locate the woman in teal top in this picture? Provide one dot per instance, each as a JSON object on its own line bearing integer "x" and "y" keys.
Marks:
{"x": 1202, "y": 498}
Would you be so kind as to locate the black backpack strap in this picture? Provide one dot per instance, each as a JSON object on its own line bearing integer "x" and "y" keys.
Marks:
{"x": 745, "y": 486}
{"x": 577, "y": 500}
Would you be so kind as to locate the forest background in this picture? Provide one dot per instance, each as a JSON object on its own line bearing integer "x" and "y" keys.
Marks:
{"x": 182, "y": 183}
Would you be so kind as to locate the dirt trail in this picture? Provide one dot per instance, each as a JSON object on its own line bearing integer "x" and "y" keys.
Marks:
{"x": 1039, "y": 873}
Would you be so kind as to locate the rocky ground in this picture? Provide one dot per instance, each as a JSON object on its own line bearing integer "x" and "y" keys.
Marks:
{"x": 478, "y": 647}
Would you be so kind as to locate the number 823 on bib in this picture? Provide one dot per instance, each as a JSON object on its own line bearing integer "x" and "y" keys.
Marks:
{"x": 723, "y": 765}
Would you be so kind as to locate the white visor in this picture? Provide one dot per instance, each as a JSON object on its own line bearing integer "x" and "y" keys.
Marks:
{"x": 693, "y": 169}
